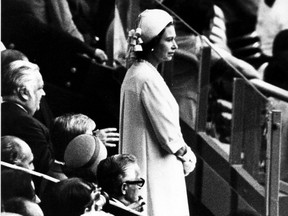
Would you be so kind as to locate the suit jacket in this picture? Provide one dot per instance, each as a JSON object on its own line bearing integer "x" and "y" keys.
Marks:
{"x": 54, "y": 50}
{"x": 17, "y": 122}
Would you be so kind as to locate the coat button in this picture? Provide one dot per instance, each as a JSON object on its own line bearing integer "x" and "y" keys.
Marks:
{"x": 73, "y": 70}
{"x": 68, "y": 84}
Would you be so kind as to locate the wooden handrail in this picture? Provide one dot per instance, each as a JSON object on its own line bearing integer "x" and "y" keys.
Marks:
{"x": 270, "y": 89}
{"x": 32, "y": 172}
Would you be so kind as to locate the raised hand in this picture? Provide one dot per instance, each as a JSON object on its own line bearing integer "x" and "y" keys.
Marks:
{"x": 108, "y": 136}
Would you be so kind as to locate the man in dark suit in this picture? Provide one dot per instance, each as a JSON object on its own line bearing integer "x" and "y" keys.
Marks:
{"x": 22, "y": 90}
{"x": 64, "y": 60}
{"x": 26, "y": 26}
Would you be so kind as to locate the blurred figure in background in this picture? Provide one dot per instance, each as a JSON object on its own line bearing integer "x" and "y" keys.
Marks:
{"x": 271, "y": 19}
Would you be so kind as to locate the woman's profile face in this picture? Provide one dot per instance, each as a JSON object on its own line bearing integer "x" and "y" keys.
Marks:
{"x": 167, "y": 46}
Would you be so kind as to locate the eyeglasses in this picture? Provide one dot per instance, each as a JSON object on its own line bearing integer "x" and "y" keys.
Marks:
{"x": 139, "y": 182}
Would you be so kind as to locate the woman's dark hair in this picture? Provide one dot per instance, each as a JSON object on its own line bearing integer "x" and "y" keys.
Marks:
{"x": 16, "y": 183}
{"x": 68, "y": 197}
{"x": 81, "y": 172}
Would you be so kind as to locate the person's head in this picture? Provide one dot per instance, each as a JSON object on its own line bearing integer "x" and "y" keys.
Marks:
{"x": 276, "y": 73}
{"x": 10, "y": 55}
{"x": 23, "y": 207}
{"x": 119, "y": 176}
{"x": 70, "y": 197}
{"x": 16, "y": 183}
{"x": 196, "y": 13}
{"x": 82, "y": 157}
{"x": 280, "y": 43}
{"x": 16, "y": 151}
{"x": 22, "y": 83}
{"x": 158, "y": 34}
{"x": 67, "y": 127}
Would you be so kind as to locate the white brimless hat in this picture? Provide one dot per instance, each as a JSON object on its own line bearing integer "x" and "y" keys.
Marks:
{"x": 152, "y": 22}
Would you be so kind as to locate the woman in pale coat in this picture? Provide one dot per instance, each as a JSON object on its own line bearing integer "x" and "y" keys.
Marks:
{"x": 149, "y": 117}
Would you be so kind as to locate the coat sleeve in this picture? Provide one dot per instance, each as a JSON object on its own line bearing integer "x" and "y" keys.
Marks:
{"x": 22, "y": 28}
{"x": 61, "y": 17}
{"x": 163, "y": 113}
{"x": 37, "y": 137}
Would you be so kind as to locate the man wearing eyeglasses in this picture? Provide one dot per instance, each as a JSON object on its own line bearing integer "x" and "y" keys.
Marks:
{"x": 119, "y": 176}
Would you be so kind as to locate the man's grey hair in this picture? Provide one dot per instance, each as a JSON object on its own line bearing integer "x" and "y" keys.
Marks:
{"x": 17, "y": 75}
{"x": 112, "y": 170}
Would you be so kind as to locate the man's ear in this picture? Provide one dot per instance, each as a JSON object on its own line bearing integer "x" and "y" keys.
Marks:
{"x": 23, "y": 93}
{"x": 124, "y": 188}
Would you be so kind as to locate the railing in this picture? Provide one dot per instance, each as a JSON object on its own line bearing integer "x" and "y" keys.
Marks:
{"x": 255, "y": 130}
{"x": 250, "y": 151}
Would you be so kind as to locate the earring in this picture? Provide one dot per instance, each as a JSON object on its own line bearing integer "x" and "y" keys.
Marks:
{"x": 152, "y": 49}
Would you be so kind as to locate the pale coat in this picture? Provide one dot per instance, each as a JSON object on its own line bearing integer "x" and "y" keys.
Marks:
{"x": 149, "y": 129}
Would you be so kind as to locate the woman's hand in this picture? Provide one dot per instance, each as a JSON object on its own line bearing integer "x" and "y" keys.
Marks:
{"x": 189, "y": 161}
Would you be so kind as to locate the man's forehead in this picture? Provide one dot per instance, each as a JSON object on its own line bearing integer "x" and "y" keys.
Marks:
{"x": 25, "y": 147}
{"x": 33, "y": 75}
{"x": 37, "y": 78}
{"x": 132, "y": 170}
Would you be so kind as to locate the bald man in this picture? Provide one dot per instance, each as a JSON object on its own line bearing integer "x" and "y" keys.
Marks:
{"x": 16, "y": 151}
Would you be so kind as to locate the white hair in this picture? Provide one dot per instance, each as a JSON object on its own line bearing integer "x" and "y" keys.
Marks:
{"x": 18, "y": 74}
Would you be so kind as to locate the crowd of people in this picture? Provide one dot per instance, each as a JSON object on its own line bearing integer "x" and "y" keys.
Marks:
{"x": 72, "y": 149}
{"x": 81, "y": 173}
